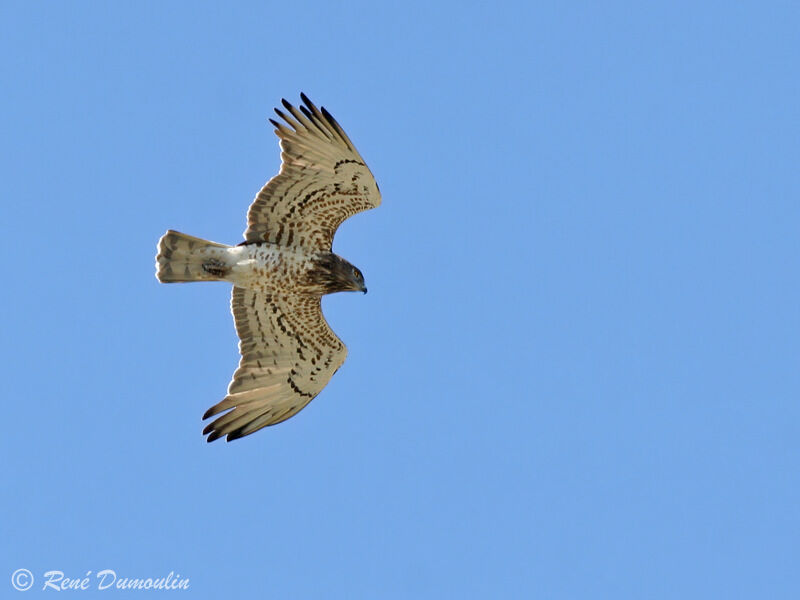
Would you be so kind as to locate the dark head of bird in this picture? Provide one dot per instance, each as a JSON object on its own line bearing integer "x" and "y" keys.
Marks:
{"x": 332, "y": 274}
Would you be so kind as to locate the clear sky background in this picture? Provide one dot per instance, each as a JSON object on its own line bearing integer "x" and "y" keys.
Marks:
{"x": 575, "y": 374}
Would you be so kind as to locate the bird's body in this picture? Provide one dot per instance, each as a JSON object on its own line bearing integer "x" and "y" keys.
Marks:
{"x": 264, "y": 267}
{"x": 281, "y": 271}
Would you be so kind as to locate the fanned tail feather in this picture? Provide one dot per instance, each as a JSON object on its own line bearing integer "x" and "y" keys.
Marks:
{"x": 183, "y": 258}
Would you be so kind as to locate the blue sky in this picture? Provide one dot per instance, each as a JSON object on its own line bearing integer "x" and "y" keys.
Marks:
{"x": 575, "y": 374}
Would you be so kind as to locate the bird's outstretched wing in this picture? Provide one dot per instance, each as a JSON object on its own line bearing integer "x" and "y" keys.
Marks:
{"x": 323, "y": 180}
{"x": 288, "y": 355}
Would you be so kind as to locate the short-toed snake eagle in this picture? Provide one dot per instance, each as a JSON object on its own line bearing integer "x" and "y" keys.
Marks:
{"x": 281, "y": 271}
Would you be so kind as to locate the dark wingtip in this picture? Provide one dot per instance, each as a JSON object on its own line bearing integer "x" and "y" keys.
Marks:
{"x": 214, "y": 436}
{"x": 329, "y": 118}
{"x": 277, "y": 126}
{"x": 234, "y": 435}
{"x": 286, "y": 104}
{"x": 305, "y": 100}
{"x": 209, "y": 413}
{"x": 307, "y": 113}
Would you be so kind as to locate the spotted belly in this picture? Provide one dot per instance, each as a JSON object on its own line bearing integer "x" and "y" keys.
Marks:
{"x": 270, "y": 269}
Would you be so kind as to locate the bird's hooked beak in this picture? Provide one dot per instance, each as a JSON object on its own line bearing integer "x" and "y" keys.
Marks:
{"x": 357, "y": 286}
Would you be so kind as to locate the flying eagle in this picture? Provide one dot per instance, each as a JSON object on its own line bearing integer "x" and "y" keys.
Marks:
{"x": 281, "y": 271}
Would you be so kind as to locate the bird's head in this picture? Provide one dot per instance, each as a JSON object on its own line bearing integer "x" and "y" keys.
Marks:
{"x": 332, "y": 274}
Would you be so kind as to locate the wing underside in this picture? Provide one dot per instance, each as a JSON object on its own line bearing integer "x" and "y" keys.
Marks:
{"x": 322, "y": 181}
{"x": 288, "y": 355}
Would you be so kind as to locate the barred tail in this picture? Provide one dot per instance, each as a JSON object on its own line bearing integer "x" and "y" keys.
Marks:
{"x": 182, "y": 257}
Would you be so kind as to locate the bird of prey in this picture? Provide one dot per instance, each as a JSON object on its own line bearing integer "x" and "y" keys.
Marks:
{"x": 281, "y": 271}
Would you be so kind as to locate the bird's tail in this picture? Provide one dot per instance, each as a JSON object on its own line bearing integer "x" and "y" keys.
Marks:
{"x": 182, "y": 257}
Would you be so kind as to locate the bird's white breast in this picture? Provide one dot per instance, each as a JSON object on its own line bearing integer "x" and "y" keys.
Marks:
{"x": 268, "y": 268}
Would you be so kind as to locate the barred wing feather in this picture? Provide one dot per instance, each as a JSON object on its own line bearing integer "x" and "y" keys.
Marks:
{"x": 289, "y": 353}
{"x": 322, "y": 181}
